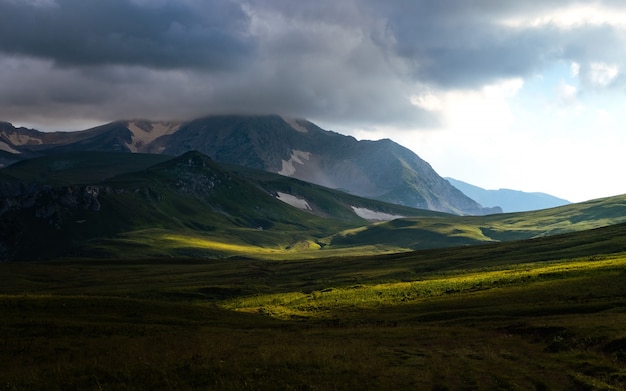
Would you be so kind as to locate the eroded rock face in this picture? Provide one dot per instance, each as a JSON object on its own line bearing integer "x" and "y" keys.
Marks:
{"x": 51, "y": 203}
{"x": 193, "y": 175}
{"x": 49, "y": 209}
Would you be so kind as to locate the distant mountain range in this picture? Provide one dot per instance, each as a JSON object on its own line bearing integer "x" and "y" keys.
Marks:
{"x": 508, "y": 200}
{"x": 382, "y": 170}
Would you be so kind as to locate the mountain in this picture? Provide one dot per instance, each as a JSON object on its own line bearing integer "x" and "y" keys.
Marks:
{"x": 121, "y": 136}
{"x": 130, "y": 205}
{"x": 380, "y": 169}
{"x": 135, "y": 205}
{"x": 296, "y": 148}
{"x": 79, "y": 167}
{"x": 508, "y": 200}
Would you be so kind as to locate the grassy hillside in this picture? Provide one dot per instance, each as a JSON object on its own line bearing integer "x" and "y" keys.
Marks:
{"x": 161, "y": 211}
{"x": 546, "y": 313}
{"x": 118, "y": 205}
{"x": 185, "y": 206}
{"x": 80, "y": 167}
{"x": 324, "y": 201}
{"x": 444, "y": 231}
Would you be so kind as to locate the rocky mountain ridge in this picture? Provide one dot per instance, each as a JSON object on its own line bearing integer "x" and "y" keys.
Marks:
{"x": 297, "y": 148}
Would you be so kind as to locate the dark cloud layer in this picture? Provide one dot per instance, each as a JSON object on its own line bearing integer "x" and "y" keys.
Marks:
{"x": 353, "y": 61}
{"x": 171, "y": 35}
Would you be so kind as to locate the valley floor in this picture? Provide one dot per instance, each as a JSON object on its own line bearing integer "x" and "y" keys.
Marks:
{"x": 257, "y": 325}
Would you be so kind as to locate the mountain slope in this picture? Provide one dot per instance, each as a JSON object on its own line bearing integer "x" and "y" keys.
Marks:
{"x": 188, "y": 205}
{"x": 444, "y": 231}
{"x": 120, "y": 136}
{"x": 299, "y": 149}
{"x": 296, "y": 148}
{"x": 508, "y": 200}
{"x": 80, "y": 167}
{"x": 192, "y": 206}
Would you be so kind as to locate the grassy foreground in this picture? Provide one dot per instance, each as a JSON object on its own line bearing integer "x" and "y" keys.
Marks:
{"x": 427, "y": 320}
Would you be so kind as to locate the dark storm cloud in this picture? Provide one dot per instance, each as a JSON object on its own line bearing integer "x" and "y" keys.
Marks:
{"x": 461, "y": 44}
{"x": 170, "y": 35}
{"x": 353, "y": 61}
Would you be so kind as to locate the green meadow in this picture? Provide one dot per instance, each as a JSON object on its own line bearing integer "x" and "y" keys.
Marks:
{"x": 315, "y": 237}
{"x": 190, "y": 276}
{"x": 543, "y": 314}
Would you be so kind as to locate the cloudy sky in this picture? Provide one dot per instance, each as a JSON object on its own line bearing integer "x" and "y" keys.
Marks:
{"x": 528, "y": 95}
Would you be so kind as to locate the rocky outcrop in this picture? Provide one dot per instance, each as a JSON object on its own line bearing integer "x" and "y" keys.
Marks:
{"x": 52, "y": 204}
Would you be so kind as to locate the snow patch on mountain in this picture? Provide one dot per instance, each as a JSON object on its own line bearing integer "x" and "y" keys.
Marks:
{"x": 288, "y": 168}
{"x": 7, "y": 148}
{"x": 146, "y": 132}
{"x": 294, "y": 124}
{"x": 293, "y": 201}
{"x": 371, "y": 215}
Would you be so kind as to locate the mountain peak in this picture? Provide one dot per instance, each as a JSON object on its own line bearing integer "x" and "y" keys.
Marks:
{"x": 192, "y": 160}
{"x": 295, "y": 124}
{"x": 299, "y": 149}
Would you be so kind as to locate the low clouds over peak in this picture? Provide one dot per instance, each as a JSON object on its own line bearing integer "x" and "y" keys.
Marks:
{"x": 358, "y": 62}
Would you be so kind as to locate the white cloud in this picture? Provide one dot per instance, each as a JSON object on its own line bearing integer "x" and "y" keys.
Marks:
{"x": 602, "y": 74}
{"x": 481, "y": 111}
{"x": 504, "y": 136}
{"x": 428, "y": 102}
{"x": 570, "y": 16}
{"x": 477, "y": 130}
{"x": 567, "y": 93}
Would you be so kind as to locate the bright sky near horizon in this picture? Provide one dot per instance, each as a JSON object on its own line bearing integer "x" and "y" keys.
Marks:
{"x": 528, "y": 95}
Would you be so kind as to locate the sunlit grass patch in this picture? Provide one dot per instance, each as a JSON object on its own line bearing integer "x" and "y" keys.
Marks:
{"x": 301, "y": 249}
{"x": 244, "y": 243}
{"x": 198, "y": 242}
{"x": 364, "y": 296}
{"x": 213, "y": 245}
